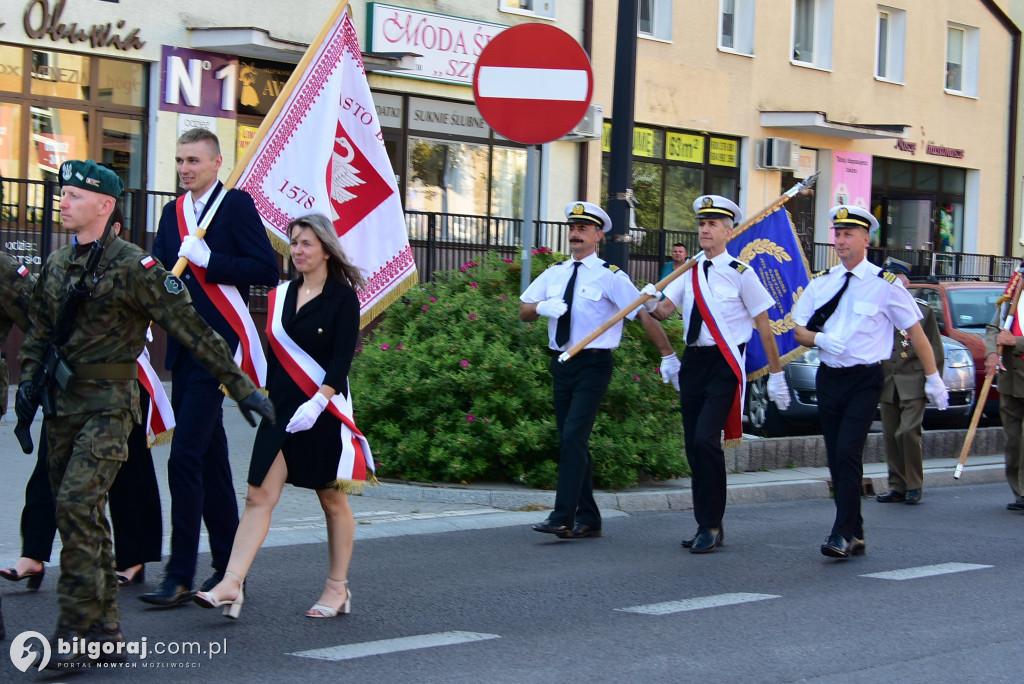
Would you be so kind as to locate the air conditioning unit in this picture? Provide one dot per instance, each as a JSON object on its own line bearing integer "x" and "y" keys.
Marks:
{"x": 589, "y": 127}
{"x": 779, "y": 153}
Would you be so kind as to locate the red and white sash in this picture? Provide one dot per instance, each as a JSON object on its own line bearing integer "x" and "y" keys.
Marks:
{"x": 249, "y": 355}
{"x": 730, "y": 350}
{"x": 159, "y": 414}
{"x": 356, "y": 463}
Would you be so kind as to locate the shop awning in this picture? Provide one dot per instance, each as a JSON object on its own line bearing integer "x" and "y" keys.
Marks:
{"x": 819, "y": 124}
{"x": 257, "y": 43}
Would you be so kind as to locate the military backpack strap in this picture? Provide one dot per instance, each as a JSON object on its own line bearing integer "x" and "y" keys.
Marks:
{"x": 738, "y": 265}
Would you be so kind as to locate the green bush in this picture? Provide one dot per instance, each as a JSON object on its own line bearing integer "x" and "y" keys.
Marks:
{"x": 452, "y": 387}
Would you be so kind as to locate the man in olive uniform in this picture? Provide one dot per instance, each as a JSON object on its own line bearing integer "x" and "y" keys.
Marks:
{"x": 903, "y": 402}
{"x": 1011, "y": 401}
{"x": 93, "y": 398}
{"x": 15, "y": 292}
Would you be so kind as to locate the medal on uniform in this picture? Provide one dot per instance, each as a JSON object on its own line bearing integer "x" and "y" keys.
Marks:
{"x": 905, "y": 342}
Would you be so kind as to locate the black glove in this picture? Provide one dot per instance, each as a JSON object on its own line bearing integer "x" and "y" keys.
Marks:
{"x": 258, "y": 402}
{"x": 25, "y": 405}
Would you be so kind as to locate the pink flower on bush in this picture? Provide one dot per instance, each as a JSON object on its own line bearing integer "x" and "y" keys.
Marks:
{"x": 508, "y": 261}
{"x": 472, "y": 316}
{"x": 502, "y": 298}
{"x": 385, "y": 347}
{"x": 636, "y": 377}
{"x": 433, "y": 299}
{"x": 359, "y": 348}
{"x": 474, "y": 285}
{"x": 399, "y": 347}
{"x": 464, "y": 363}
{"x": 534, "y": 251}
{"x": 470, "y": 418}
{"x": 424, "y": 307}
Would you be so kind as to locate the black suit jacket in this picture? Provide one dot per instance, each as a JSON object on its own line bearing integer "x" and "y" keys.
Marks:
{"x": 241, "y": 255}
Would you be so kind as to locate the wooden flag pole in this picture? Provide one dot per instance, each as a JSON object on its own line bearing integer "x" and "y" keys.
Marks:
{"x": 661, "y": 284}
{"x": 985, "y": 386}
{"x": 269, "y": 119}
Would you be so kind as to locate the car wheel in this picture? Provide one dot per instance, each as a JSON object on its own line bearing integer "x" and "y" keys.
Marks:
{"x": 762, "y": 414}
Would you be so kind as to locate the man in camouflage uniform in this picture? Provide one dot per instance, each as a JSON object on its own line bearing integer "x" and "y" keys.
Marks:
{"x": 15, "y": 291}
{"x": 93, "y": 414}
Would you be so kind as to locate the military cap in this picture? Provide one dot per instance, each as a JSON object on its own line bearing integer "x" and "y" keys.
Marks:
{"x": 91, "y": 176}
{"x": 585, "y": 212}
{"x": 716, "y": 206}
{"x": 896, "y": 266}
{"x": 849, "y": 216}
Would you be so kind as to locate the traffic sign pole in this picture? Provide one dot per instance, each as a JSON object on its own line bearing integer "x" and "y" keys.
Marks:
{"x": 620, "y": 162}
{"x": 532, "y": 190}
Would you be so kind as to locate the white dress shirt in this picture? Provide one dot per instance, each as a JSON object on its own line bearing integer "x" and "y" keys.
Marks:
{"x": 868, "y": 310}
{"x": 203, "y": 200}
{"x": 739, "y": 298}
{"x": 599, "y": 293}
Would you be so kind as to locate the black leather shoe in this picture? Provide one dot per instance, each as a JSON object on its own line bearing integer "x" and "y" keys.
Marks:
{"x": 580, "y": 531}
{"x": 688, "y": 542}
{"x": 912, "y": 497}
{"x": 212, "y": 581}
{"x": 836, "y": 547}
{"x": 170, "y": 593}
{"x": 707, "y": 539}
{"x": 893, "y": 497}
{"x": 549, "y": 527}
{"x": 1017, "y": 505}
{"x": 857, "y": 547}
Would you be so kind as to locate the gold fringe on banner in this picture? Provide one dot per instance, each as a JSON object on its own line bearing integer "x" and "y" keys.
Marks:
{"x": 784, "y": 359}
{"x": 160, "y": 440}
{"x": 733, "y": 443}
{"x": 355, "y": 486}
{"x": 389, "y": 299}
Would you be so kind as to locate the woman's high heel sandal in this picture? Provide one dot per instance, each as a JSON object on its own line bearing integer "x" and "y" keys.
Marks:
{"x": 34, "y": 578}
{"x": 232, "y": 608}
{"x": 320, "y": 611}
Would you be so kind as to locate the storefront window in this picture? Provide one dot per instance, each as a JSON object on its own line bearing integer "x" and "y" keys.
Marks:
{"x": 59, "y": 74}
{"x": 122, "y": 149}
{"x": 954, "y": 181}
{"x": 10, "y": 137}
{"x": 901, "y": 174}
{"x": 11, "y": 71}
{"x": 682, "y": 186}
{"x": 508, "y": 176}
{"x": 122, "y": 83}
{"x": 57, "y": 135}
{"x": 927, "y": 178}
{"x": 449, "y": 177}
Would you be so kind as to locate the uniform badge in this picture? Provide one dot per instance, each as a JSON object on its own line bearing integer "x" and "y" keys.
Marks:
{"x": 708, "y": 202}
{"x": 149, "y": 262}
{"x": 66, "y": 170}
{"x": 578, "y": 209}
{"x": 842, "y": 213}
{"x": 173, "y": 284}
{"x": 22, "y": 271}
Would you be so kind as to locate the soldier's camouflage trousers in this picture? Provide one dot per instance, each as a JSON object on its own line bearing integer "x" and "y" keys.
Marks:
{"x": 86, "y": 451}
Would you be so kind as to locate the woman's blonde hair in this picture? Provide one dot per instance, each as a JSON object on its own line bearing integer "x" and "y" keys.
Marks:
{"x": 338, "y": 264}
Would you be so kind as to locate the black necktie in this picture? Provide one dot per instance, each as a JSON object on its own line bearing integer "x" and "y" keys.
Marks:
{"x": 693, "y": 329}
{"x": 822, "y": 314}
{"x": 562, "y": 329}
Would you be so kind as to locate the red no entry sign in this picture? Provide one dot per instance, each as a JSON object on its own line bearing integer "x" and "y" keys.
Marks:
{"x": 533, "y": 83}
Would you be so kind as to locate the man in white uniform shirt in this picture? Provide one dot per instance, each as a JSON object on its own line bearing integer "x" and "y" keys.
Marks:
{"x": 578, "y": 295}
{"x": 849, "y": 313}
{"x": 723, "y": 301}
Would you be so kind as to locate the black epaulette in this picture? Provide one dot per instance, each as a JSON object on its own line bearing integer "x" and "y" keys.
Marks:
{"x": 819, "y": 274}
{"x": 738, "y": 265}
{"x": 613, "y": 268}
{"x": 885, "y": 275}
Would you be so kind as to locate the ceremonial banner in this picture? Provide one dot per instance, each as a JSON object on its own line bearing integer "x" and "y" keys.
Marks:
{"x": 772, "y": 249}
{"x": 324, "y": 153}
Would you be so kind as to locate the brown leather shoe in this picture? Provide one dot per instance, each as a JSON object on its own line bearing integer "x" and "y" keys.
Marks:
{"x": 580, "y": 531}
{"x": 549, "y": 527}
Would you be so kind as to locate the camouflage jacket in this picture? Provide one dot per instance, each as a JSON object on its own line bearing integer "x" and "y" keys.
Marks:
{"x": 130, "y": 290}
{"x": 16, "y": 283}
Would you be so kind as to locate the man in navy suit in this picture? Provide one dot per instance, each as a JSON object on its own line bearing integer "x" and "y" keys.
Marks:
{"x": 235, "y": 252}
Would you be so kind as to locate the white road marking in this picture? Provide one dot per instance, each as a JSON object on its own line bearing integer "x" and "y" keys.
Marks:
{"x": 371, "y": 648}
{"x": 926, "y": 571}
{"x": 716, "y": 601}
{"x": 522, "y": 83}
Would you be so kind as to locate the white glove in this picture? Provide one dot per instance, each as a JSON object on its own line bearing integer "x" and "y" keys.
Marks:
{"x": 307, "y": 414}
{"x": 149, "y": 333}
{"x": 552, "y": 308}
{"x": 670, "y": 370}
{"x": 651, "y": 304}
{"x": 936, "y": 391}
{"x": 778, "y": 390}
{"x": 195, "y": 250}
{"x": 829, "y": 343}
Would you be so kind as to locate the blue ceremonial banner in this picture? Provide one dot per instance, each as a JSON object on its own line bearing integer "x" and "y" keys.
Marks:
{"x": 772, "y": 249}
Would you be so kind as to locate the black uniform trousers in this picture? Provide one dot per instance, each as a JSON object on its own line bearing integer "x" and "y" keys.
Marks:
{"x": 198, "y": 472}
{"x": 706, "y": 393}
{"x": 579, "y": 387}
{"x": 134, "y": 506}
{"x": 847, "y": 403}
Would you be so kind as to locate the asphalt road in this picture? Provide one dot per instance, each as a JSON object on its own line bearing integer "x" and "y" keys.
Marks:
{"x": 516, "y": 606}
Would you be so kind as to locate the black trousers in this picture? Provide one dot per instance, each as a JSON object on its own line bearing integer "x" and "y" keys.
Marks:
{"x": 706, "y": 391}
{"x": 134, "y": 506}
{"x": 847, "y": 401}
{"x": 198, "y": 472}
{"x": 579, "y": 387}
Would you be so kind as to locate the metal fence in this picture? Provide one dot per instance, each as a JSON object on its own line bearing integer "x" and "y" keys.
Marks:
{"x": 924, "y": 264}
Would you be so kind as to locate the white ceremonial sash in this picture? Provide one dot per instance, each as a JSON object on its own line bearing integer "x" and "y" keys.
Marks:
{"x": 159, "y": 414}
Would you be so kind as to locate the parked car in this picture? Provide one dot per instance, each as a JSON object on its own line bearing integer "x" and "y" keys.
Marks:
{"x": 962, "y": 310}
{"x": 765, "y": 418}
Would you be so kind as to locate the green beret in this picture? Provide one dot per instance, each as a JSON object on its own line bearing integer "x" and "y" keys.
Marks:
{"x": 91, "y": 176}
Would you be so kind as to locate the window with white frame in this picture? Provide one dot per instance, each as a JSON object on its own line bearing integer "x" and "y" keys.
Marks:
{"x": 812, "y": 33}
{"x": 736, "y": 26}
{"x": 654, "y": 19}
{"x": 892, "y": 32}
{"x": 539, "y": 8}
{"x": 962, "y": 44}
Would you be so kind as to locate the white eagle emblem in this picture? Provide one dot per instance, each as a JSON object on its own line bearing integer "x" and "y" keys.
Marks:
{"x": 343, "y": 174}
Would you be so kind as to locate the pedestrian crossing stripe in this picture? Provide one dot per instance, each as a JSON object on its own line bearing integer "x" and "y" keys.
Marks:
{"x": 372, "y": 648}
{"x": 926, "y": 571}
{"x": 699, "y": 603}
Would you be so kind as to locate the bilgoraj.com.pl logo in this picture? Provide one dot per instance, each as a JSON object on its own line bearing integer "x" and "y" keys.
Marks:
{"x": 25, "y": 653}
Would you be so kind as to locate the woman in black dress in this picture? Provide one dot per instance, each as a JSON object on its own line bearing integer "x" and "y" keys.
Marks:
{"x": 319, "y": 313}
